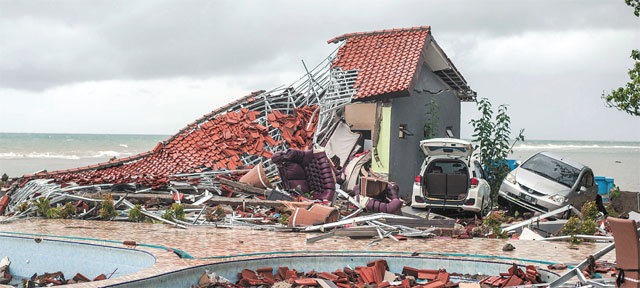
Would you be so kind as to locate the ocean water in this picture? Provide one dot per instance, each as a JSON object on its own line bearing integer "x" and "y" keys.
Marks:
{"x": 27, "y": 153}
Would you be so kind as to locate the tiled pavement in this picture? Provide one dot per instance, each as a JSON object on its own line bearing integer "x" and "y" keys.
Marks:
{"x": 214, "y": 242}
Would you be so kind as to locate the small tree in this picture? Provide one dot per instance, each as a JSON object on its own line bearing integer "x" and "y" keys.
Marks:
{"x": 627, "y": 99}
{"x": 493, "y": 138}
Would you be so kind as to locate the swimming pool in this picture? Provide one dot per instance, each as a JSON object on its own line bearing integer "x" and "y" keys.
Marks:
{"x": 30, "y": 255}
{"x": 229, "y": 269}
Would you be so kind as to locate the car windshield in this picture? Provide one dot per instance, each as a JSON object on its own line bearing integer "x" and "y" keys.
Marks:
{"x": 552, "y": 169}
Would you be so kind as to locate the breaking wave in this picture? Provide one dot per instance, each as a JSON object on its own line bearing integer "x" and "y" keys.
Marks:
{"x": 572, "y": 146}
{"x": 38, "y": 155}
{"x": 123, "y": 145}
{"x": 109, "y": 154}
{"x": 52, "y": 155}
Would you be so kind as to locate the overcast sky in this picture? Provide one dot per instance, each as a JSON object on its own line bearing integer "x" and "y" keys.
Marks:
{"x": 151, "y": 67}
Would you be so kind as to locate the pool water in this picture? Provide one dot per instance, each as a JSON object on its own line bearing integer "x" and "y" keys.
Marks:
{"x": 30, "y": 256}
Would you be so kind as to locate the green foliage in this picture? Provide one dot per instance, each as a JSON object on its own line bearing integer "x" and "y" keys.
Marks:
{"x": 585, "y": 225}
{"x": 590, "y": 211}
{"x": 135, "y": 214}
{"x": 168, "y": 214}
{"x": 107, "y": 211}
{"x": 493, "y": 138}
{"x": 23, "y": 206}
{"x": 53, "y": 213}
{"x": 178, "y": 211}
{"x": 216, "y": 214}
{"x": 283, "y": 219}
{"x": 431, "y": 125}
{"x": 635, "y": 4}
{"x": 572, "y": 228}
{"x": 67, "y": 211}
{"x": 611, "y": 211}
{"x": 42, "y": 206}
{"x": 627, "y": 99}
{"x": 493, "y": 223}
{"x": 614, "y": 193}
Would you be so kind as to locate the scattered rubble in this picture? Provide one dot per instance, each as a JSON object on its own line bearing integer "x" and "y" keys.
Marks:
{"x": 375, "y": 274}
{"x": 5, "y": 277}
{"x": 515, "y": 277}
{"x": 42, "y": 280}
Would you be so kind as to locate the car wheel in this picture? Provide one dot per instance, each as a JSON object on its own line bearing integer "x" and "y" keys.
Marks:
{"x": 487, "y": 204}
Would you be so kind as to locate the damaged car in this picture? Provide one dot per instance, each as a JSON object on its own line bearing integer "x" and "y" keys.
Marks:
{"x": 450, "y": 178}
{"x": 546, "y": 182}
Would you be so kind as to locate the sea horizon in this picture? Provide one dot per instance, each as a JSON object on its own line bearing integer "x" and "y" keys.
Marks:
{"x": 26, "y": 153}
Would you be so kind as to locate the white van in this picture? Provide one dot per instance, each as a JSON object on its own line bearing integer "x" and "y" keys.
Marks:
{"x": 450, "y": 179}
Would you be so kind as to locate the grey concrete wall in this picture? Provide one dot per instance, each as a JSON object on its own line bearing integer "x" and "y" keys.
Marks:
{"x": 405, "y": 154}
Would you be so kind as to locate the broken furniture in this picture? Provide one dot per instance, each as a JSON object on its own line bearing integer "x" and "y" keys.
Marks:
{"x": 378, "y": 196}
{"x": 341, "y": 143}
{"x": 314, "y": 215}
{"x": 626, "y": 239}
{"x": 256, "y": 177}
{"x": 351, "y": 172}
{"x": 310, "y": 170}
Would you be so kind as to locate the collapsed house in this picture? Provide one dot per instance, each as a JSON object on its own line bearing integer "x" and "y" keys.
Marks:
{"x": 364, "y": 103}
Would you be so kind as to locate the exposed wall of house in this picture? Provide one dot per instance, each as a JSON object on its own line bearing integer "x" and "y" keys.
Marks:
{"x": 405, "y": 154}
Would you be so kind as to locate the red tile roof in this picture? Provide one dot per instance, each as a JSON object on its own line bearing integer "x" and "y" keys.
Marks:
{"x": 214, "y": 141}
{"x": 387, "y": 60}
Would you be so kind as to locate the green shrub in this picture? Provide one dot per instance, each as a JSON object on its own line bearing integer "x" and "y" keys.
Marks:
{"x": 178, "y": 211}
{"x": 42, "y": 206}
{"x": 494, "y": 222}
{"x": 23, "y": 206}
{"x": 611, "y": 211}
{"x": 614, "y": 193}
{"x": 168, "y": 214}
{"x": 216, "y": 214}
{"x": 53, "y": 213}
{"x": 107, "y": 211}
{"x": 283, "y": 219}
{"x": 585, "y": 225}
{"x": 135, "y": 214}
{"x": 572, "y": 228}
{"x": 67, "y": 211}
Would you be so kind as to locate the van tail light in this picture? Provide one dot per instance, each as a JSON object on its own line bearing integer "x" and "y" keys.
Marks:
{"x": 474, "y": 182}
{"x": 418, "y": 179}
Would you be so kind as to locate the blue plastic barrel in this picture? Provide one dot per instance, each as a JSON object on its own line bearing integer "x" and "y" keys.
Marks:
{"x": 604, "y": 184}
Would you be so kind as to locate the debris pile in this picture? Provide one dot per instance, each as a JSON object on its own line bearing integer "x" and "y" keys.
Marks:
{"x": 45, "y": 279}
{"x": 515, "y": 277}
{"x": 375, "y": 274}
{"x": 57, "y": 278}
{"x": 5, "y": 277}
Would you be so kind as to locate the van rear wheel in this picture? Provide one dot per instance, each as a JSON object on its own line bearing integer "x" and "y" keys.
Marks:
{"x": 487, "y": 204}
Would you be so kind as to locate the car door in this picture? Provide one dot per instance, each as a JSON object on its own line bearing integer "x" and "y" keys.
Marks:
{"x": 587, "y": 190}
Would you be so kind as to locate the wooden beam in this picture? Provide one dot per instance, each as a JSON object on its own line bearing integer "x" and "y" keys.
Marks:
{"x": 245, "y": 188}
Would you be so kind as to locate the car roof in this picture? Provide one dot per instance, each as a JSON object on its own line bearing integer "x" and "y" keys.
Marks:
{"x": 575, "y": 164}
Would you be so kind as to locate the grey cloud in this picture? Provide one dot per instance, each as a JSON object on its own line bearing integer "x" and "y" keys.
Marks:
{"x": 53, "y": 43}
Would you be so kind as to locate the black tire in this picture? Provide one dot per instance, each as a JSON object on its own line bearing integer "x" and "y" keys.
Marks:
{"x": 484, "y": 211}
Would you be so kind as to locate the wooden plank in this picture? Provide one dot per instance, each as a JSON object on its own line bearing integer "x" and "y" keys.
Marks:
{"x": 421, "y": 222}
{"x": 244, "y": 187}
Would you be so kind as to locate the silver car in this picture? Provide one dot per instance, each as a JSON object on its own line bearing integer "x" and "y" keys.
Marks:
{"x": 546, "y": 182}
